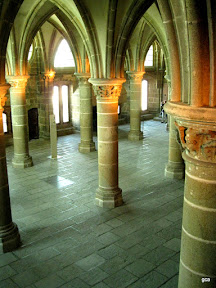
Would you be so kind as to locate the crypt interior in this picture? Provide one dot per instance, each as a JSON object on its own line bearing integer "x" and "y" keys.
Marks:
{"x": 99, "y": 187}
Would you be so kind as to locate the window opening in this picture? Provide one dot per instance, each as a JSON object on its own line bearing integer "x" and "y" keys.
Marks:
{"x": 30, "y": 52}
{"x": 65, "y": 103}
{"x": 144, "y": 95}
{"x": 149, "y": 57}
{"x": 64, "y": 56}
{"x": 56, "y": 104}
{"x": 5, "y": 128}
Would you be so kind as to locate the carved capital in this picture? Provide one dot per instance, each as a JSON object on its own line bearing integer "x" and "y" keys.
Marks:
{"x": 107, "y": 92}
{"x": 199, "y": 141}
{"x": 17, "y": 81}
{"x": 107, "y": 89}
{"x": 49, "y": 75}
{"x": 135, "y": 76}
{"x": 83, "y": 78}
{"x": 3, "y": 91}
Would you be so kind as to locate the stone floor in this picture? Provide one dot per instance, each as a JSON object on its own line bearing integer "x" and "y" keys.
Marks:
{"x": 69, "y": 242}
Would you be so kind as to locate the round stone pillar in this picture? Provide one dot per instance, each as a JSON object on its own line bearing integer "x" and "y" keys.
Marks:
{"x": 198, "y": 243}
{"x": 135, "y": 105}
{"x": 86, "y": 121}
{"x": 175, "y": 167}
{"x": 107, "y": 92}
{"x": 19, "y": 121}
{"x": 9, "y": 234}
{"x": 47, "y": 104}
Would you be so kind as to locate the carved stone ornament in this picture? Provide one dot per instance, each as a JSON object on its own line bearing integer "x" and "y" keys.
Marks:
{"x": 199, "y": 143}
{"x": 106, "y": 92}
{"x": 83, "y": 78}
{"x": 17, "y": 81}
{"x": 135, "y": 76}
{"x": 3, "y": 91}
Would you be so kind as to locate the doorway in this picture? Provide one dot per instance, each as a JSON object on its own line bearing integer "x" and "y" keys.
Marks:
{"x": 33, "y": 123}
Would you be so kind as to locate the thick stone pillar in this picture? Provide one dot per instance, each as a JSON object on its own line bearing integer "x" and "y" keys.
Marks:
{"x": 9, "y": 234}
{"x": 19, "y": 121}
{"x": 198, "y": 244}
{"x": 175, "y": 167}
{"x": 107, "y": 92}
{"x": 135, "y": 105}
{"x": 86, "y": 121}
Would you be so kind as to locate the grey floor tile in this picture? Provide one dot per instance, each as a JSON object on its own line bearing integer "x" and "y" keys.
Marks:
{"x": 120, "y": 279}
{"x": 6, "y": 272}
{"x": 76, "y": 283}
{"x": 168, "y": 268}
{"x": 7, "y": 259}
{"x": 90, "y": 262}
{"x": 8, "y": 284}
{"x": 153, "y": 280}
{"x": 52, "y": 281}
{"x": 93, "y": 276}
{"x": 173, "y": 244}
{"x": 140, "y": 267}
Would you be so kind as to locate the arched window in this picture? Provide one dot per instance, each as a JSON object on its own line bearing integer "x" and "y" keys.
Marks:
{"x": 63, "y": 56}
{"x": 61, "y": 104}
{"x": 5, "y": 128}
{"x": 144, "y": 95}
{"x": 30, "y": 52}
{"x": 149, "y": 57}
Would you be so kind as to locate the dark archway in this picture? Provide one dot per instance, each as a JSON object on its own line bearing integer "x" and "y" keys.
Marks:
{"x": 33, "y": 124}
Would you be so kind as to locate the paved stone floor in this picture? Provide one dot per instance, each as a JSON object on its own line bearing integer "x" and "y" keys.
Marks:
{"x": 69, "y": 242}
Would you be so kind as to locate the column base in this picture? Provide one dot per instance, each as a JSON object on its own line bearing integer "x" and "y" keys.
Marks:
{"x": 135, "y": 135}
{"x": 175, "y": 170}
{"x": 25, "y": 162}
{"x": 86, "y": 147}
{"x": 108, "y": 198}
{"x": 9, "y": 238}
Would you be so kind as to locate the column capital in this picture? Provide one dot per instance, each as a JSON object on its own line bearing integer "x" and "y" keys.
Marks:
{"x": 83, "y": 78}
{"x": 3, "y": 90}
{"x": 49, "y": 75}
{"x": 135, "y": 76}
{"x": 18, "y": 81}
{"x": 198, "y": 139}
{"x": 107, "y": 89}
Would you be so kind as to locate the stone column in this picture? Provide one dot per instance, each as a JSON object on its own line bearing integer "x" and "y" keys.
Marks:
{"x": 9, "y": 234}
{"x": 175, "y": 167}
{"x": 19, "y": 121}
{"x": 86, "y": 121}
{"x": 135, "y": 105}
{"x": 198, "y": 244}
{"x": 107, "y": 92}
{"x": 47, "y": 104}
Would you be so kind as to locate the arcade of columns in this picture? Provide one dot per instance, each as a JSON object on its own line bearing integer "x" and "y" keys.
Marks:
{"x": 192, "y": 130}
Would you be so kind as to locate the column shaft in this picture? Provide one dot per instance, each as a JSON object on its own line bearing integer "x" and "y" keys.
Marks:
{"x": 9, "y": 234}
{"x": 107, "y": 91}
{"x": 86, "y": 120}
{"x": 198, "y": 243}
{"x": 175, "y": 166}
{"x": 135, "y": 105}
{"x": 19, "y": 122}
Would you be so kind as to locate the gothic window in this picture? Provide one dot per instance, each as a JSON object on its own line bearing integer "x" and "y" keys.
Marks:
{"x": 30, "y": 52}
{"x": 61, "y": 104}
{"x": 5, "y": 128}
{"x": 63, "y": 56}
{"x": 144, "y": 95}
{"x": 149, "y": 57}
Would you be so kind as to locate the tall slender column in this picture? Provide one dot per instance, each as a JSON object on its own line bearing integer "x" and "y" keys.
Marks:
{"x": 47, "y": 104}
{"x": 9, "y": 234}
{"x": 107, "y": 92}
{"x": 86, "y": 120}
{"x": 135, "y": 105}
{"x": 175, "y": 167}
{"x": 198, "y": 244}
{"x": 19, "y": 121}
